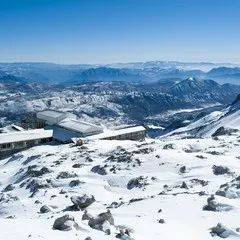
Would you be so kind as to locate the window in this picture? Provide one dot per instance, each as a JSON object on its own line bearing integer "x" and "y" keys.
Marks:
{"x": 6, "y": 146}
{"x": 19, "y": 144}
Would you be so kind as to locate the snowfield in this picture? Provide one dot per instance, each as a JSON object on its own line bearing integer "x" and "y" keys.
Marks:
{"x": 155, "y": 189}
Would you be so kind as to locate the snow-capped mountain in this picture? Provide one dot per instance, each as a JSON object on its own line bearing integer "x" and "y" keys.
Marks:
{"x": 217, "y": 123}
{"x": 141, "y": 71}
{"x": 136, "y": 103}
{"x": 193, "y": 89}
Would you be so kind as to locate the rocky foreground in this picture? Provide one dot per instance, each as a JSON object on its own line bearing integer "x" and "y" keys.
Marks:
{"x": 185, "y": 189}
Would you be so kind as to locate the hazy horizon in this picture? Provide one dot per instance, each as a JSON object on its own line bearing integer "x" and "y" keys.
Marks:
{"x": 127, "y": 62}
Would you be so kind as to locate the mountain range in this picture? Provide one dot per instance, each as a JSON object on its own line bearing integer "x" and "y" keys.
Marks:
{"x": 51, "y": 73}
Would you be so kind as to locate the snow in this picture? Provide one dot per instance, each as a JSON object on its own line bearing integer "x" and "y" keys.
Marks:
{"x": 11, "y": 128}
{"x": 228, "y": 121}
{"x": 50, "y": 113}
{"x": 112, "y": 133}
{"x": 156, "y": 127}
{"x": 181, "y": 208}
{"x": 25, "y": 135}
{"x": 79, "y": 126}
{"x": 206, "y": 126}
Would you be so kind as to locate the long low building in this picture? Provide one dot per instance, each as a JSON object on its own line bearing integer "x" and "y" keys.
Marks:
{"x": 135, "y": 133}
{"x": 16, "y": 140}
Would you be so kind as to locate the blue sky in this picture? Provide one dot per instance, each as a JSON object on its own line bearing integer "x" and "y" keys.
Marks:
{"x": 103, "y": 31}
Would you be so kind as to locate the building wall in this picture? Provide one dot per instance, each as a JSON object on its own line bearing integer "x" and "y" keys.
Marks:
{"x": 137, "y": 136}
{"x": 9, "y": 148}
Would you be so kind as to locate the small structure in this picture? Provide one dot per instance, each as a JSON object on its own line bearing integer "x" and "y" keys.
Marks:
{"x": 135, "y": 133}
{"x": 66, "y": 126}
{"x": 16, "y": 140}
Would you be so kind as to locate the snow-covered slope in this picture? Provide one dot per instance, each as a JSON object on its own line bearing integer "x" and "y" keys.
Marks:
{"x": 153, "y": 189}
{"x": 228, "y": 118}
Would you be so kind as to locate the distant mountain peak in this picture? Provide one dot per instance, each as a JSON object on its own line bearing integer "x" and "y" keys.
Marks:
{"x": 191, "y": 79}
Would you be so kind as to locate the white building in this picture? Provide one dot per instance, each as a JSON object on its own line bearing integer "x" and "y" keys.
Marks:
{"x": 51, "y": 117}
{"x": 135, "y": 133}
{"x": 16, "y": 140}
{"x": 66, "y": 126}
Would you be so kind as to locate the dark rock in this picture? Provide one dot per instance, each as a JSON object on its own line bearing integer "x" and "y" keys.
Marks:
{"x": 224, "y": 131}
{"x": 5, "y": 198}
{"x": 99, "y": 170}
{"x": 9, "y": 188}
{"x": 215, "y": 153}
{"x": 30, "y": 159}
{"x": 63, "y": 191}
{"x": 102, "y": 222}
{"x": 183, "y": 169}
{"x": 65, "y": 223}
{"x": 77, "y": 165}
{"x": 184, "y": 185}
{"x": 138, "y": 182}
{"x": 161, "y": 221}
{"x": 32, "y": 172}
{"x": 123, "y": 234}
{"x": 86, "y": 216}
{"x": 82, "y": 202}
{"x": 220, "y": 170}
{"x": 199, "y": 181}
{"x": 45, "y": 209}
{"x": 64, "y": 175}
{"x": 201, "y": 193}
{"x": 168, "y": 146}
{"x": 146, "y": 150}
{"x": 37, "y": 184}
{"x": 75, "y": 183}
{"x": 213, "y": 205}
{"x": 221, "y": 231}
{"x": 221, "y": 193}
{"x": 200, "y": 156}
{"x": 115, "y": 204}
{"x": 135, "y": 200}
{"x": 88, "y": 159}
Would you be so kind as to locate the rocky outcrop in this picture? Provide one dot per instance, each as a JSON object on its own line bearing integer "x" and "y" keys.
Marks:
{"x": 220, "y": 170}
{"x": 65, "y": 223}
{"x": 64, "y": 175}
{"x": 102, "y": 222}
{"x": 213, "y": 205}
{"x": 99, "y": 170}
{"x": 222, "y": 231}
{"x": 82, "y": 202}
{"x": 45, "y": 209}
{"x": 138, "y": 182}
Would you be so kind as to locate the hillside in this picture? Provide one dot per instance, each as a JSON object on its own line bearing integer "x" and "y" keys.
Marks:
{"x": 152, "y": 183}
{"x": 227, "y": 120}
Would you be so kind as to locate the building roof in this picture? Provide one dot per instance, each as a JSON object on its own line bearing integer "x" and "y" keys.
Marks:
{"x": 26, "y": 135}
{"x": 79, "y": 126}
{"x": 11, "y": 128}
{"x": 114, "y": 133}
{"x": 50, "y": 113}
{"x": 64, "y": 135}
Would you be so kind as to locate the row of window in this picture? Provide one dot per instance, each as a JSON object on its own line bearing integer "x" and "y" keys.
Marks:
{"x": 136, "y": 135}
{"x": 6, "y": 146}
